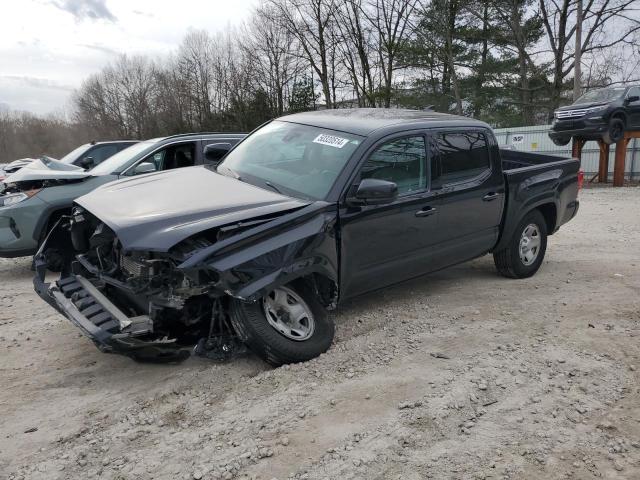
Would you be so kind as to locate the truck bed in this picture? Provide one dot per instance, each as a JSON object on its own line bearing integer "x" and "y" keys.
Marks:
{"x": 514, "y": 159}
{"x": 533, "y": 179}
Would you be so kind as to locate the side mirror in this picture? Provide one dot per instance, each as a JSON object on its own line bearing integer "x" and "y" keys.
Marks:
{"x": 373, "y": 191}
{"x": 215, "y": 151}
{"x": 144, "y": 167}
{"x": 632, "y": 98}
{"x": 87, "y": 163}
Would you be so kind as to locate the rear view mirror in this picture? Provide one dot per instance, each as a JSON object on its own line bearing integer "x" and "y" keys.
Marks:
{"x": 87, "y": 163}
{"x": 216, "y": 151}
{"x": 144, "y": 167}
{"x": 633, "y": 98}
{"x": 373, "y": 191}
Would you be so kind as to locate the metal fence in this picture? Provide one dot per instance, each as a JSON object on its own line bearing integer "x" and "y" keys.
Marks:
{"x": 536, "y": 139}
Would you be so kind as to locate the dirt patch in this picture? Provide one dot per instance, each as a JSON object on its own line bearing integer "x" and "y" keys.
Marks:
{"x": 461, "y": 374}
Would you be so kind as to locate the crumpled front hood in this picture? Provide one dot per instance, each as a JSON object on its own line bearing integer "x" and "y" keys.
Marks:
{"x": 156, "y": 211}
{"x": 16, "y": 165}
{"x": 46, "y": 169}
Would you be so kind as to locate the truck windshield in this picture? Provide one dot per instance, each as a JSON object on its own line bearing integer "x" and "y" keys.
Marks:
{"x": 601, "y": 95}
{"x": 291, "y": 158}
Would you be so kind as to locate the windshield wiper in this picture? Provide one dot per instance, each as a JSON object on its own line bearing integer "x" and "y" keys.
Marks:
{"x": 273, "y": 186}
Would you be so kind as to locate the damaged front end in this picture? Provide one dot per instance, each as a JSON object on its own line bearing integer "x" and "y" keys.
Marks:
{"x": 164, "y": 305}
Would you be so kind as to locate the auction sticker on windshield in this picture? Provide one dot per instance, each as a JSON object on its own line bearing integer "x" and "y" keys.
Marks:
{"x": 330, "y": 140}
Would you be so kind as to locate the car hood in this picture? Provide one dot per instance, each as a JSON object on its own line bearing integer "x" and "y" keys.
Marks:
{"x": 580, "y": 106}
{"x": 155, "y": 212}
{"x": 16, "y": 165}
{"x": 46, "y": 169}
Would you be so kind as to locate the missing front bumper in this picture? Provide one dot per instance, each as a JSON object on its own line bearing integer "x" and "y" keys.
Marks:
{"x": 105, "y": 324}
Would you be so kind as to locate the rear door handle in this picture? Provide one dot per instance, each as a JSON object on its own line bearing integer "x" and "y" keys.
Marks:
{"x": 425, "y": 212}
{"x": 490, "y": 196}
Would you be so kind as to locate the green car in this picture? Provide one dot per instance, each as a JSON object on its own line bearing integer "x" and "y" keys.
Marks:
{"x": 35, "y": 197}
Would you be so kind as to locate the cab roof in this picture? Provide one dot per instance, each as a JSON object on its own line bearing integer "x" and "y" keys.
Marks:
{"x": 364, "y": 121}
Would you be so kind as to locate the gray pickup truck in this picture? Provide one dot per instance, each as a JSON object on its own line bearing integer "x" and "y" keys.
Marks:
{"x": 307, "y": 211}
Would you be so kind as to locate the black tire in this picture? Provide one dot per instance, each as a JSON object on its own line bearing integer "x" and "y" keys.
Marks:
{"x": 509, "y": 262}
{"x": 615, "y": 132}
{"x": 251, "y": 325}
{"x": 55, "y": 260}
{"x": 561, "y": 141}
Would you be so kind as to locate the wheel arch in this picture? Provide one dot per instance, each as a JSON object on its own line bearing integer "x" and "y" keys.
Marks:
{"x": 550, "y": 213}
{"x": 620, "y": 114}
{"x": 47, "y": 220}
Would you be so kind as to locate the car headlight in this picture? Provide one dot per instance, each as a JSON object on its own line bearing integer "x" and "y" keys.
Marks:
{"x": 596, "y": 109}
{"x": 555, "y": 114}
{"x": 13, "y": 198}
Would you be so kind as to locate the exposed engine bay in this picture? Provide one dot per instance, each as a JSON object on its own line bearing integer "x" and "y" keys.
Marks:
{"x": 166, "y": 305}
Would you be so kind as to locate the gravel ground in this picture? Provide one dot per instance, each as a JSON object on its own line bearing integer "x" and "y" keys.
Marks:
{"x": 460, "y": 375}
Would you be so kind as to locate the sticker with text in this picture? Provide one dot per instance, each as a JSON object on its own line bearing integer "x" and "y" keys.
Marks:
{"x": 330, "y": 140}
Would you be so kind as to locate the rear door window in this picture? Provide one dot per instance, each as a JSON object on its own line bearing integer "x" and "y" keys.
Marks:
{"x": 462, "y": 156}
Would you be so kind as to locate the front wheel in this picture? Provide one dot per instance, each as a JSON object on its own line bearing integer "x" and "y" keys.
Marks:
{"x": 288, "y": 325}
{"x": 525, "y": 251}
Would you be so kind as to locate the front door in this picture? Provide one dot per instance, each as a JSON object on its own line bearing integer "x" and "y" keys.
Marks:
{"x": 470, "y": 187}
{"x": 385, "y": 244}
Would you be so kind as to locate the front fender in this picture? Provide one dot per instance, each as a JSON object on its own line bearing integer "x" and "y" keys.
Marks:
{"x": 298, "y": 250}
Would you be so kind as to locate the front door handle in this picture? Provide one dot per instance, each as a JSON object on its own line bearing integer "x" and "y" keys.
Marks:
{"x": 425, "y": 212}
{"x": 490, "y": 196}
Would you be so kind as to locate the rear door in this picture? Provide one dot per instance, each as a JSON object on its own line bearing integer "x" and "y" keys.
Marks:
{"x": 385, "y": 244}
{"x": 470, "y": 185}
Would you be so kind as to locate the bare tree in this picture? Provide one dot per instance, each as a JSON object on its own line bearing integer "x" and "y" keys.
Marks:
{"x": 392, "y": 20}
{"x": 271, "y": 49}
{"x": 357, "y": 49}
{"x": 311, "y": 23}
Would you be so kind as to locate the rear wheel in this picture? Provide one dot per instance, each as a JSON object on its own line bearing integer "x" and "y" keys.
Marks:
{"x": 615, "y": 132}
{"x": 288, "y": 325}
{"x": 525, "y": 251}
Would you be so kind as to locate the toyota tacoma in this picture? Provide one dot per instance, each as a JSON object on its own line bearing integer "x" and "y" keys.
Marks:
{"x": 307, "y": 211}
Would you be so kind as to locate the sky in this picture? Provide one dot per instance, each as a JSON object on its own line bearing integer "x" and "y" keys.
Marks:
{"x": 47, "y": 47}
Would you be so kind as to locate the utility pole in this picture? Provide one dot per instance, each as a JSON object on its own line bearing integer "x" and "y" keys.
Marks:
{"x": 577, "y": 66}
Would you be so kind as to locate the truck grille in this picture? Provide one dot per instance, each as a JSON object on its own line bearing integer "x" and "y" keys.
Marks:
{"x": 571, "y": 113}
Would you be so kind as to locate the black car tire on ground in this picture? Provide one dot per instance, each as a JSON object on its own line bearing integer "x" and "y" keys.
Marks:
{"x": 615, "y": 131}
{"x": 561, "y": 141}
{"x": 509, "y": 261}
{"x": 251, "y": 324}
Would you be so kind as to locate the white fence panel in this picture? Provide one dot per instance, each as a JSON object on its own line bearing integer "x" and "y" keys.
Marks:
{"x": 536, "y": 139}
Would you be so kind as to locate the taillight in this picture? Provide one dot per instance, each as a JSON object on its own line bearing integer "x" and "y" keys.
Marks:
{"x": 580, "y": 179}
